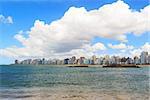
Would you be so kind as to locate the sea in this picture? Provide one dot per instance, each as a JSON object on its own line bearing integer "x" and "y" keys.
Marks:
{"x": 65, "y": 83}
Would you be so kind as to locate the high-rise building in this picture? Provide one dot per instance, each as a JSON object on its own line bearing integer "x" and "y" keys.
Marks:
{"x": 66, "y": 61}
{"x": 74, "y": 59}
{"x": 144, "y": 57}
{"x": 86, "y": 61}
{"x": 82, "y": 60}
{"x": 35, "y": 61}
{"x": 16, "y": 62}
{"x": 43, "y": 61}
{"x": 93, "y": 59}
{"x": 148, "y": 59}
{"x": 136, "y": 60}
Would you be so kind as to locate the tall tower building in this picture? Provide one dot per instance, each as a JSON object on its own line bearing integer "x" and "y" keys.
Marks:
{"x": 144, "y": 57}
{"x": 93, "y": 59}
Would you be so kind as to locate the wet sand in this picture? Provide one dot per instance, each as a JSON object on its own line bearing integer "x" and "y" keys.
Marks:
{"x": 40, "y": 94}
{"x": 87, "y": 96}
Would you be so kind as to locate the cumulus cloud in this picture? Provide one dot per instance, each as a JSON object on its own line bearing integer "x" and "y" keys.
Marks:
{"x": 7, "y": 20}
{"x": 137, "y": 51}
{"x": 120, "y": 46}
{"x": 71, "y": 33}
{"x": 87, "y": 51}
{"x": 96, "y": 47}
{"x": 130, "y": 51}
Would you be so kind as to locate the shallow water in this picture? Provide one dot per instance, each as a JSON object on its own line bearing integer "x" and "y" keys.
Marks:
{"x": 64, "y": 83}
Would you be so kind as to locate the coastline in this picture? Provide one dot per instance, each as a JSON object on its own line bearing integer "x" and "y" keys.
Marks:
{"x": 80, "y": 95}
{"x": 75, "y": 94}
{"x": 67, "y": 65}
{"x": 46, "y": 65}
{"x": 143, "y": 65}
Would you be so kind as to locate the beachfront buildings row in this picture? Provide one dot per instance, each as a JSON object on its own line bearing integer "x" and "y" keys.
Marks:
{"x": 144, "y": 58}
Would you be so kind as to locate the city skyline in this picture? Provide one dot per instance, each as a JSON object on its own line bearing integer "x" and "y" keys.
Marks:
{"x": 143, "y": 59}
{"x": 64, "y": 28}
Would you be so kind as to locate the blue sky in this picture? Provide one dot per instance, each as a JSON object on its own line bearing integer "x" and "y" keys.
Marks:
{"x": 25, "y": 13}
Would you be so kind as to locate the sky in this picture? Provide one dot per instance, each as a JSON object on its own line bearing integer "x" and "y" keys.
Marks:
{"x": 63, "y": 28}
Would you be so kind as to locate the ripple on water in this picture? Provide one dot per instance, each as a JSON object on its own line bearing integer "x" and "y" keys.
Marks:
{"x": 74, "y": 83}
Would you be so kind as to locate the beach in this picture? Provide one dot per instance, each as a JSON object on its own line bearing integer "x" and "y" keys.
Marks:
{"x": 46, "y": 94}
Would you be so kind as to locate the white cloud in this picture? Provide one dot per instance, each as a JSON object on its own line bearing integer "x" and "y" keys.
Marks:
{"x": 96, "y": 47}
{"x": 146, "y": 47}
{"x": 78, "y": 27}
{"x": 137, "y": 51}
{"x": 133, "y": 51}
{"x": 120, "y": 46}
{"x": 20, "y": 36}
{"x": 7, "y": 20}
{"x": 87, "y": 50}
{"x": 129, "y": 50}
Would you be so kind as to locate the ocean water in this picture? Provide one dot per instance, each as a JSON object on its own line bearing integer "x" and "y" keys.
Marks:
{"x": 65, "y": 83}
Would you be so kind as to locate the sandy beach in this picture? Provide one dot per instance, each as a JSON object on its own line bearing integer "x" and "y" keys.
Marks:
{"x": 86, "y": 96}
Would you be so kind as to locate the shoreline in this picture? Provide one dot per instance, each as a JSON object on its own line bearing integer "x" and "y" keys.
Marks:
{"x": 61, "y": 94}
{"x": 143, "y": 65}
{"x": 67, "y": 65}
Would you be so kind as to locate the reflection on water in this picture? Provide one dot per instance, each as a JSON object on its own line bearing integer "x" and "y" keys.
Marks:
{"x": 73, "y": 83}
